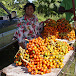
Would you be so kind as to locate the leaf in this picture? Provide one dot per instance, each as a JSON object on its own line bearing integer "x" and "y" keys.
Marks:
{"x": 51, "y": 5}
{"x": 49, "y": 0}
{"x": 21, "y": 5}
{"x": 57, "y": 4}
{"x": 59, "y": 0}
{"x": 3, "y": 2}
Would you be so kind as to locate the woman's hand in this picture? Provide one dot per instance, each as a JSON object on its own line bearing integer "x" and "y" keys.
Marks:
{"x": 63, "y": 10}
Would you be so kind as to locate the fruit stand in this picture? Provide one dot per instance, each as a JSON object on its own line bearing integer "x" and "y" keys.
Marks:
{"x": 12, "y": 70}
{"x": 45, "y": 56}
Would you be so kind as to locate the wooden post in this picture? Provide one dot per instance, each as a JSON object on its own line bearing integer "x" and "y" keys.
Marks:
{"x": 73, "y": 3}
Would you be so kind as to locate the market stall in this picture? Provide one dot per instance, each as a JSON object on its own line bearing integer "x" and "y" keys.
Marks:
{"x": 47, "y": 55}
{"x": 13, "y": 70}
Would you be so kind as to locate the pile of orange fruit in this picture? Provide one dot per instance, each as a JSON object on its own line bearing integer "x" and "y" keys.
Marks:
{"x": 42, "y": 54}
{"x": 60, "y": 29}
{"x": 63, "y": 25}
{"x": 70, "y": 36}
{"x": 50, "y": 28}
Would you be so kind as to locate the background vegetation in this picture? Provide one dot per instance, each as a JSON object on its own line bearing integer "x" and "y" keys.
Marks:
{"x": 44, "y": 8}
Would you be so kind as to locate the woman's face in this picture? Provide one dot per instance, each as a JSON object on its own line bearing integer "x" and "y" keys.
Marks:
{"x": 29, "y": 10}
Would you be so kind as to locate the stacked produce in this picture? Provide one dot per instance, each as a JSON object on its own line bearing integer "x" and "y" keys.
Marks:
{"x": 70, "y": 36}
{"x": 63, "y": 26}
{"x": 65, "y": 29}
{"x": 42, "y": 54}
{"x": 60, "y": 29}
{"x": 50, "y": 28}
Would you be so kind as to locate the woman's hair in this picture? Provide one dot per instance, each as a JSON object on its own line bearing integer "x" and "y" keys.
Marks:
{"x": 27, "y": 5}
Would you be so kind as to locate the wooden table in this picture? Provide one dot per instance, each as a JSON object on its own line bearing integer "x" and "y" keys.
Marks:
{"x": 13, "y": 70}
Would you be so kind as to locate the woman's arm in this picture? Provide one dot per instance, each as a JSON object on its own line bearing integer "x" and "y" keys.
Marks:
{"x": 62, "y": 10}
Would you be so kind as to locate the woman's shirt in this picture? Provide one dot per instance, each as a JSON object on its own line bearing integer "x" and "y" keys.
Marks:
{"x": 28, "y": 28}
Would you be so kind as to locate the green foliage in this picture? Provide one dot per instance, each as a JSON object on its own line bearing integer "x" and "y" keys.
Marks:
{"x": 2, "y": 12}
{"x": 9, "y": 4}
{"x": 41, "y": 17}
{"x": 47, "y": 7}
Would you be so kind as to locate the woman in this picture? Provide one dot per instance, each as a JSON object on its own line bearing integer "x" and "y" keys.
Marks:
{"x": 28, "y": 26}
